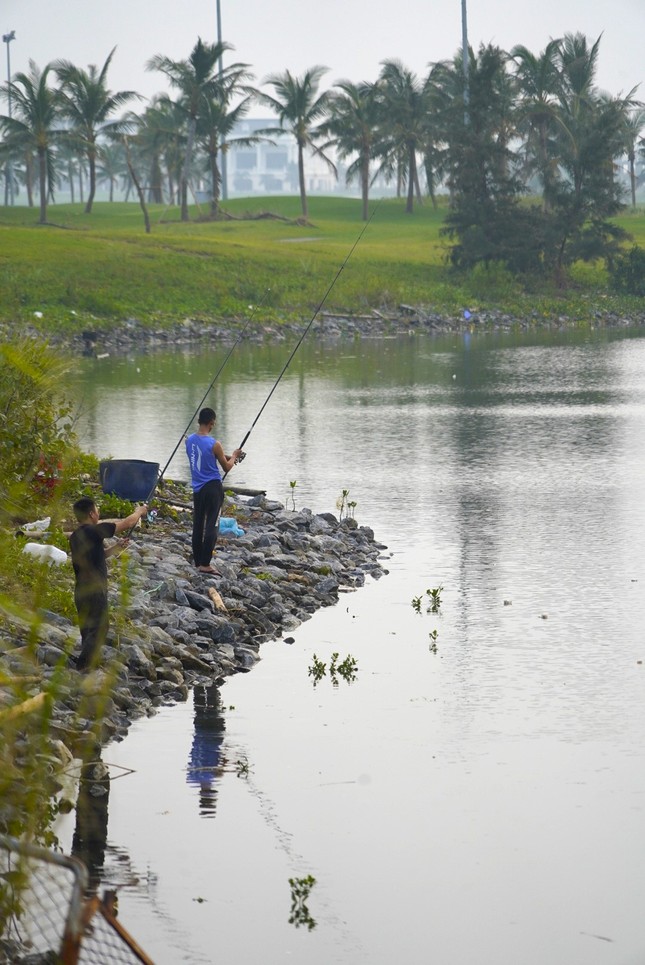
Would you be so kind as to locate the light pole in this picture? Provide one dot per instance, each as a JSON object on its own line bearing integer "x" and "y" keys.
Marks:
{"x": 8, "y": 194}
{"x": 221, "y": 71}
{"x": 464, "y": 58}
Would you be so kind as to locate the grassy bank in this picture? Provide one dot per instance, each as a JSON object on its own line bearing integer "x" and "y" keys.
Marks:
{"x": 94, "y": 269}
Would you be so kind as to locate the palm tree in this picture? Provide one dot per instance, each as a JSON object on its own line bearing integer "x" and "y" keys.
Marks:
{"x": 404, "y": 101}
{"x": 445, "y": 94}
{"x": 88, "y": 104}
{"x": 158, "y": 141}
{"x": 34, "y": 124}
{"x": 538, "y": 80}
{"x": 577, "y": 63}
{"x": 590, "y": 136}
{"x": 196, "y": 80}
{"x": 112, "y": 165}
{"x": 11, "y": 164}
{"x": 588, "y": 120}
{"x": 215, "y": 127}
{"x": 353, "y": 129}
{"x": 67, "y": 156}
{"x": 633, "y": 127}
{"x": 299, "y": 106}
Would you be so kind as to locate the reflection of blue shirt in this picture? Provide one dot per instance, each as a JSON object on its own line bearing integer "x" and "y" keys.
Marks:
{"x": 206, "y": 759}
{"x": 203, "y": 464}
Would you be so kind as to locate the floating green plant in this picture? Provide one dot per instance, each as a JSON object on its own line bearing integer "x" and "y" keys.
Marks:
{"x": 435, "y": 600}
{"x": 317, "y": 670}
{"x": 242, "y": 767}
{"x": 347, "y": 669}
{"x": 300, "y": 891}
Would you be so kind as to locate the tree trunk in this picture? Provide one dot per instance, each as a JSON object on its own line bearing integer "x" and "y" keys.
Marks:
{"x": 29, "y": 177}
{"x": 42, "y": 180}
{"x": 186, "y": 167}
{"x": 417, "y": 184}
{"x": 429, "y": 169}
{"x": 70, "y": 178}
{"x": 91, "y": 157}
{"x": 215, "y": 181}
{"x": 365, "y": 186}
{"x": 156, "y": 190}
{"x": 632, "y": 178}
{"x": 135, "y": 181}
{"x": 80, "y": 181}
{"x": 412, "y": 177}
{"x": 301, "y": 181}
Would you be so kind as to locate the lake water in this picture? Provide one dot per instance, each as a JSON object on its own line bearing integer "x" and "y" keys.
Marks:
{"x": 477, "y": 795}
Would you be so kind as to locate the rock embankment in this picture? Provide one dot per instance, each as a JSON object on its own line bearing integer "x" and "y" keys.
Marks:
{"x": 131, "y": 335}
{"x": 181, "y": 627}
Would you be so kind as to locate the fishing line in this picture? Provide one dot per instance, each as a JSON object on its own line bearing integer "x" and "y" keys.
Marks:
{"x": 256, "y": 308}
{"x": 312, "y": 320}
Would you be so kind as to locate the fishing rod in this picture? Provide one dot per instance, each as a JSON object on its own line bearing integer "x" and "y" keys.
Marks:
{"x": 256, "y": 308}
{"x": 304, "y": 334}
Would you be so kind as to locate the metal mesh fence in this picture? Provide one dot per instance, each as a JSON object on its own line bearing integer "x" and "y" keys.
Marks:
{"x": 40, "y": 903}
{"x": 43, "y": 918}
{"x": 105, "y": 942}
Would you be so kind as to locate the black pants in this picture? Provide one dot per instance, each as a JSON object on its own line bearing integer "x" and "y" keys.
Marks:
{"x": 93, "y": 622}
{"x": 207, "y": 503}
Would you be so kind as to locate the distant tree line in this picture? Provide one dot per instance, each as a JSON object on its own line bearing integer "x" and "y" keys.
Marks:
{"x": 527, "y": 147}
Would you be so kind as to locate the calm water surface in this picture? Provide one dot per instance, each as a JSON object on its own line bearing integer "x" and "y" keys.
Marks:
{"x": 483, "y": 804}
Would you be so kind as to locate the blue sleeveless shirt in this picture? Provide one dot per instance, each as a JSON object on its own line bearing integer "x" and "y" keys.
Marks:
{"x": 204, "y": 467}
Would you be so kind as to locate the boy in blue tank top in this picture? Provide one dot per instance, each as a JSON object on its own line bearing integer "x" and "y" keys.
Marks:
{"x": 206, "y": 456}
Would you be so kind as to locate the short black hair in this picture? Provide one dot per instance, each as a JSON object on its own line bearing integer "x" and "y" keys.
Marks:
{"x": 206, "y": 416}
{"x": 83, "y": 507}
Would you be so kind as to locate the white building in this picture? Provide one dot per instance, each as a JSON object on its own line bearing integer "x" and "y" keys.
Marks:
{"x": 272, "y": 168}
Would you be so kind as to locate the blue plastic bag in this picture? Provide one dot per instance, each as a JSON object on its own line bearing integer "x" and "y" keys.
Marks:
{"x": 228, "y": 526}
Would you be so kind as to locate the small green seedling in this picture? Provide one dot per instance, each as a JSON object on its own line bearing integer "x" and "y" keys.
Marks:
{"x": 433, "y": 641}
{"x": 293, "y": 483}
{"x": 342, "y": 503}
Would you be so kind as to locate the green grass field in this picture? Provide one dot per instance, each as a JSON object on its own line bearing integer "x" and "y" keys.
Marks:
{"x": 102, "y": 268}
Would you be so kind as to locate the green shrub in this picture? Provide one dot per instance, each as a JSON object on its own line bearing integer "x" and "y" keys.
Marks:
{"x": 113, "y": 507}
{"x": 627, "y": 272}
{"x": 35, "y": 421}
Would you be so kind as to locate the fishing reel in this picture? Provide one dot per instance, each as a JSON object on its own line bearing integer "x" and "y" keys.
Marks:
{"x": 240, "y": 458}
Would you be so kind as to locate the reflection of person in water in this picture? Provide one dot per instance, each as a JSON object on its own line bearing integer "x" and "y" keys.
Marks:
{"x": 90, "y": 833}
{"x": 206, "y": 762}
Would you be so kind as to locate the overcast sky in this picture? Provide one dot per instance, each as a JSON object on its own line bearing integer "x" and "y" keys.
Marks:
{"x": 350, "y": 37}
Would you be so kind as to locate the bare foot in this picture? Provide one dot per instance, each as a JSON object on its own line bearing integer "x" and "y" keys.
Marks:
{"x": 208, "y": 569}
